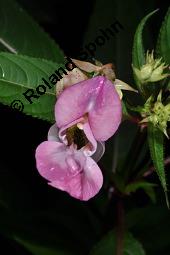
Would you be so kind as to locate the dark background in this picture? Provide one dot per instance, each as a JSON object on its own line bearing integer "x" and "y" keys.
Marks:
{"x": 73, "y": 24}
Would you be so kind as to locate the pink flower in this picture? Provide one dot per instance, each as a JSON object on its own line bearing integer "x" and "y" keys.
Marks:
{"x": 94, "y": 98}
{"x": 87, "y": 114}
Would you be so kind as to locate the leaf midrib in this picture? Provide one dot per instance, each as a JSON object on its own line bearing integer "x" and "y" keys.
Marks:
{"x": 24, "y": 86}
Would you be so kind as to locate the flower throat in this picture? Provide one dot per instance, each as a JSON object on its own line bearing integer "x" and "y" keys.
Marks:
{"x": 76, "y": 136}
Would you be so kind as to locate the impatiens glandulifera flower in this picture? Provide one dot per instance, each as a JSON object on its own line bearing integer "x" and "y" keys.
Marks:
{"x": 94, "y": 99}
{"x": 87, "y": 114}
{"x": 152, "y": 70}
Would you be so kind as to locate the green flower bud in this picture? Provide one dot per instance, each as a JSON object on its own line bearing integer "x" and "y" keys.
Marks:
{"x": 146, "y": 72}
{"x": 156, "y": 113}
{"x": 151, "y": 71}
{"x": 167, "y": 111}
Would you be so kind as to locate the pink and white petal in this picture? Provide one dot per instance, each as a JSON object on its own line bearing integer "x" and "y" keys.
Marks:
{"x": 50, "y": 160}
{"x": 96, "y": 97}
{"x": 85, "y": 184}
{"x": 53, "y": 134}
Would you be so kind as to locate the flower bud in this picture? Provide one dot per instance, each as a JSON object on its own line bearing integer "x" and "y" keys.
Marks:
{"x": 151, "y": 71}
{"x": 156, "y": 113}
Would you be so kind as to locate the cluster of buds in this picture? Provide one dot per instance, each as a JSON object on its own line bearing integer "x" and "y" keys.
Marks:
{"x": 156, "y": 113}
{"x": 152, "y": 70}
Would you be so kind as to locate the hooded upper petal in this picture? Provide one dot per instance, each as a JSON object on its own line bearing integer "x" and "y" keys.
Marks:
{"x": 96, "y": 98}
{"x": 69, "y": 170}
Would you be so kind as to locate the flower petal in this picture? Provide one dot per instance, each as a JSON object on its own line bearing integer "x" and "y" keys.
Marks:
{"x": 96, "y": 97}
{"x": 99, "y": 151}
{"x": 123, "y": 86}
{"x": 53, "y": 133}
{"x": 86, "y": 66}
{"x": 69, "y": 170}
{"x": 83, "y": 124}
{"x": 69, "y": 79}
{"x": 105, "y": 117}
{"x": 92, "y": 180}
{"x": 88, "y": 132}
{"x": 50, "y": 160}
{"x": 96, "y": 149}
{"x": 84, "y": 185}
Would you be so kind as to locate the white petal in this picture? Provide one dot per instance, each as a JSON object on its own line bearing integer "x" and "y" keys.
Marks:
{"x": 53, "y": 133}
{"x": 99, "y": 151}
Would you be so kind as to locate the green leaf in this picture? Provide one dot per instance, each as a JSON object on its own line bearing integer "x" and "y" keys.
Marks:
{"x": 19, "y": 33}
{"x": 151, "y": 194}
{"x": 163, "y": 44}
{"x": 155, "y": 140}
{"x": 20, "y": 73}
{"x": 36, "y": 249}
{"x": 108, "y": 245}
{"x": 146, "y": 186}
{"x": 138, "y": 52}
{"x": 132, "y": 187}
